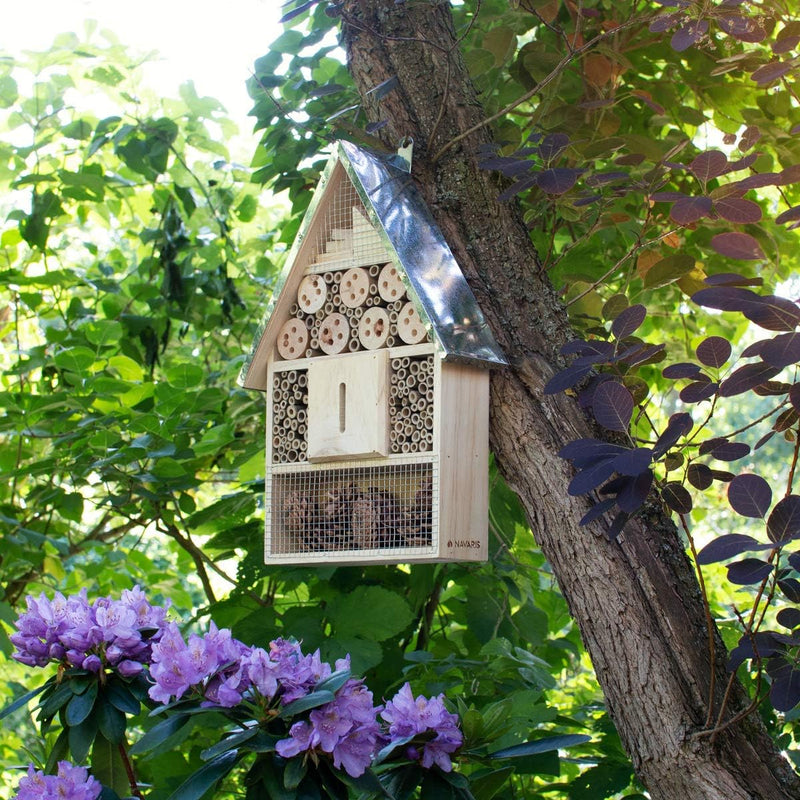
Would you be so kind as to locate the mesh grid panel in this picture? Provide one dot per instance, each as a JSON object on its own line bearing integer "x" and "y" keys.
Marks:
{"x": 354, "y": 509}
{"x": 346, "y": 238}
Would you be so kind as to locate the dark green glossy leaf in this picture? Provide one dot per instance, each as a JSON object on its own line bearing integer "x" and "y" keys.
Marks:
{"x": 81, "y": 705}
{"x": 25, "y": 699}
{"x": 206, "y": 777}
{"x": 312, "y": 700}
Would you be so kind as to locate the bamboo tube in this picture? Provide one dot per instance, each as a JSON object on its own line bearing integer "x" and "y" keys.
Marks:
{"x": 374, "y": 271}
{"x": 334, "y": 334}
{"x": 373, "y": 328}
{"x": 302, "y": 414}
{"x": 329, "y": 308}
{"x": 302, "y": 378}
{"x": 302, "y": 428}
{"x": 294, "y": 310}
{"x": 390, "y": 284}
{"x": 276, "y": 394}
{"x": 309, "y": 352}
{"x": 405, "y": 447}
{"x": 292, "y": 339}
{"x": 337, "y": 277}
{"x": 328, "y": 278}
{"x": 410, "y": 327}
{"x": 355, "y": 287}
{"x": 312, "y": 293}
{"x": 310, "y": 320}
{"x": 416, "y": 436}
{"x": 319, "y": 314}
{"x": 353, "y": 345}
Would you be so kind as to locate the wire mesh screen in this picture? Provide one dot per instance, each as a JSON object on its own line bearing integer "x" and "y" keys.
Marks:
{"x": 358, "y": 509}
{"x": 345, "y": 238}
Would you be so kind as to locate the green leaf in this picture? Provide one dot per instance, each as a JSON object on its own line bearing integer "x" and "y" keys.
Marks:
{"x": 81, "y": 738}
{"x": 294, "y": 772}
{"x": 121, "y": 697}
{"x": 25, "y": 699}
{"x": 668, "y": 270}
{"x": 159, "y": 733}
{"x": 108, "y": 766}
{"x": 311, "y": 700}
{"x": 542, "y": 745}
{"x": 334, "y": 681}
{"x": 57, "y": 700}
{"x": 486, "y": 786}
{"x": 206, "y": 777}
{"x": 81, "y": 705}
{"x": 185, "y": 376}
{"x": 389, "y": 613}
{"x": 229, "y": 742}
{"x": 110, "y": 720}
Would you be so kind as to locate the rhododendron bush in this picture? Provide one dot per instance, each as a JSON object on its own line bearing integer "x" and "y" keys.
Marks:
{"x": 293, "y": 719}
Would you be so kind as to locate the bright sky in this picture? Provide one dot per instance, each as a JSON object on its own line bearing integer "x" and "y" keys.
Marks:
{"x": 213, "y": 44}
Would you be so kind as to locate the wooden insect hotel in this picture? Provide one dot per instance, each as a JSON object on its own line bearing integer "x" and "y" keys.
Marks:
{"x": 373, "y": 356}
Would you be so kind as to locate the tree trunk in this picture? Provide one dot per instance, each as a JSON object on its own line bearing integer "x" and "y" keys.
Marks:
{"x": 636, "y": 600}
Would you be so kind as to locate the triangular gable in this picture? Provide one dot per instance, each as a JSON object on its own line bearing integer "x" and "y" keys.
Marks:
{"x": 366, "y": 211}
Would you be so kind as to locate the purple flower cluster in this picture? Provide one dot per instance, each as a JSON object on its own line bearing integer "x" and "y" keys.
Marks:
{"x": 114, "y": 633}
{"x": 410, "y": 717}
{"x": 70, "y": 783}
{"x": 345, "y": 728}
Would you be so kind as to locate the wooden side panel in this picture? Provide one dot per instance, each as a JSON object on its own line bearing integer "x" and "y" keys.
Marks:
{"x": 463, "y": 463}
{"x": 348, "y": 406}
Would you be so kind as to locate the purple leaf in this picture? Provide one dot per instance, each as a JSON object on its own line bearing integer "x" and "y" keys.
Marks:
{"x": 784, "y": 693}
{"x": 790, "y": 588}
{"x": 683, "y": 369}
{"x": 771, "y": 72}
{"x": 552, "y": 146}
{"x": 723, "y": 450}
{"x": 617, "y": 525}
{"x": 790, "y": 175}
{"x": 697, "y": 391}
{"x": 749, "y": 571}
{"x": 612, "y": 406}
{"x": 784, "y": 521}
{"x": 784, "y": 44}
{"x": 735, "y": 209}
{"x": 747, "y": 377}
{"x": 773, "y": 313}
{"x": 591, "y": 477}
{"x": 788, "y": 617}
{"x": 722, "y": 476}
{"x": 764, "y": 439}
{"x": 690, "y": 209}
{"x": 732, "y": 279}
{"x": 782, "y": 351}
{"x": 668, "y": 197}
{"x": 557, "y": 180}
{"x": 725, "y": 547}
{"x": 741, "y": 246}
{"x": 642, "y": 354}
{"x": 602, "y": 178}
{"x": 708, "y": 165}
{"x": 517, "y": 187}
{"x": 663, "y": 22}
{"x": 794, "y": 396}
{"x": 745, "y": 29}
{"x": 634, "y": 492}
{"x": 566, "y": 379}
{"x": 633, "y": 462}
{"x": 628, "y": 321}
{"x": 750, "y": 496}
{"x": 714, "y": 351}
{"x": 597, "y": 510}
{"x": 592, "y": 347}
{"x": 725, "y": 298}
{"x": 757, "y": 181}
{"x": 700, "y": 476}
{"x": 749, "y": 138}
{"x": 584, "y": 452}
{"x": 677, "y": 498}
{"x": 689, "y": 34}
{"x": 794, "y": 562}
{"x": 678, "y": 425}
{"x": 790, "y": 215}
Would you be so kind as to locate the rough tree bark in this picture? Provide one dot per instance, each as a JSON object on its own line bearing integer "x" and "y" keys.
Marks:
{"x": 636, "y": 600}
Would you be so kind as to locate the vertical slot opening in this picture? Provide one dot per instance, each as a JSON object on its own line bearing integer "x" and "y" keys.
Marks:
{"x": 342, "y": 405}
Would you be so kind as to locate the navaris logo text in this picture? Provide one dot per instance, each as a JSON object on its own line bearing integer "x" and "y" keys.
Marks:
{"x": 471, "y": 543}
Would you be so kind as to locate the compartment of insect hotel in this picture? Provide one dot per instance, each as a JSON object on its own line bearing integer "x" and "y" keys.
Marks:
{"x": 377, "y": 426}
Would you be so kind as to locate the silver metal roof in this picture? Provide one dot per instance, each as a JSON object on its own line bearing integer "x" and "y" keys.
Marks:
{"x": 417, "y": 247}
